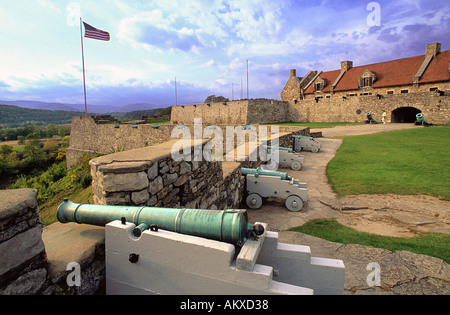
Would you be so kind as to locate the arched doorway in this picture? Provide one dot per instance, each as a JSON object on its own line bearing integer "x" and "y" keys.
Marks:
{"x": 404, "y": 115}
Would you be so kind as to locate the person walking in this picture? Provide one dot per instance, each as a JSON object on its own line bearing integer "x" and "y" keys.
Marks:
{"x": 383, "y": 117}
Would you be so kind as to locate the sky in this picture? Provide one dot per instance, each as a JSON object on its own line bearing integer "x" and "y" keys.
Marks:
{"x": 204, "y": 44}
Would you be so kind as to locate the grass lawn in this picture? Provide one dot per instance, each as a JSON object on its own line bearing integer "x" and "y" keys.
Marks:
{"x": 404, "y": 162}
{"x": 313, "y": 125}
{"x": 431, "y": 244}
{"x": 158, "y": 122}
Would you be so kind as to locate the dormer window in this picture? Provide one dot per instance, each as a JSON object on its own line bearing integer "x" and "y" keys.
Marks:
{"x": 318, "y": 86}
{"x": 367, "y": 79}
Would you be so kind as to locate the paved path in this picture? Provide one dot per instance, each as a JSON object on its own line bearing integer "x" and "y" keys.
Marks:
{"x": 355, "y": 130}
{"x": 390, "y": 215}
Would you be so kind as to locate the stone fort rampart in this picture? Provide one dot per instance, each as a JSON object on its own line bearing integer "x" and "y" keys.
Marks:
{"x": 88, "y": 137}
{"x": 434, "y": 106}
{"x": 347, "y": 107}
{"x": 243, "y": 112}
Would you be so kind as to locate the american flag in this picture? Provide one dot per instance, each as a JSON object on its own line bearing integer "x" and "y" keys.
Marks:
{"x": 92, "y": 32}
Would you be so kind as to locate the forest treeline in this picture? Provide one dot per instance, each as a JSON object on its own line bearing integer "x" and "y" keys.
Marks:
{"x": 14, "y": 116}
{"x": 33, "y": 132}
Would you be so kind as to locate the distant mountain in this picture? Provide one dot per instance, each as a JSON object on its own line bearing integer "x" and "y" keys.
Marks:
{"x": 138, "y": 107}
{"x": 40, "y": 105}
{"x": 98, "y": 109}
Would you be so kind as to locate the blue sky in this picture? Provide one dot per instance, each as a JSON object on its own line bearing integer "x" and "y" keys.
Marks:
{"x": 203, "y": 43}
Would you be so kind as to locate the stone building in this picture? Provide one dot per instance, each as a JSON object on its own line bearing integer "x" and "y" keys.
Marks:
{"x": 402, "y": 87}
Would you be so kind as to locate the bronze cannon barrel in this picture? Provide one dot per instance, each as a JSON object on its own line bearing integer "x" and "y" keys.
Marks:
{"x": 230, "y": 226}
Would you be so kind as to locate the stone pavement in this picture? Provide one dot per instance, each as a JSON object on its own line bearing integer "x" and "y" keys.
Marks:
{"x": 401, "y": 272}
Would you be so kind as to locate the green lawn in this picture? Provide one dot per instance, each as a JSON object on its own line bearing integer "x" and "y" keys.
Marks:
{"x": 18, "y": 149}
{"x": 405, "y": 162}
{"x": 431, "y": 244}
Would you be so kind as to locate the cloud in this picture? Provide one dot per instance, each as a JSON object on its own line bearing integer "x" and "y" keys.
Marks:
{"x": 130, "y": 91}
{"x": 155, "y": 28}
{"x": 205, "y": 45}
{"x": 47, "y": 4}
{"x": 389, "y": 35}
{"x": 183, "y": 39}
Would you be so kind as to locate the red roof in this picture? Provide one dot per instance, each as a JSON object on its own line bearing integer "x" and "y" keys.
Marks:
{"x": 330, "y": 77}
{"x": 437, "y": 69}
{"x": 391, "y": 73}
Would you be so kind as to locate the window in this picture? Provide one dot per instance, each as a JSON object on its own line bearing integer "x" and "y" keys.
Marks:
{"x": 318, "y": 86}
{"x": 367, "y": 81}
{"x": 390, "y": 92}
{"x": 367, "y": 78}
{"x": 433, "y": 89}
{"x": 404, "y": 91}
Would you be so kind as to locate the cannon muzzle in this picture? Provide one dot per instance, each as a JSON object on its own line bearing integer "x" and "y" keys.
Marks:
{"x": 230, "y": 226}
{"x": 260, "y": 171}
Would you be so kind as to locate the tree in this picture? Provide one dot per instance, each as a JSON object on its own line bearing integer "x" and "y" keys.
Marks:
{"x": 33, "y": 154}
{"x": 5, "y": 150}
{"x": 20, "y": 140}
{"x": 214, "y": 99}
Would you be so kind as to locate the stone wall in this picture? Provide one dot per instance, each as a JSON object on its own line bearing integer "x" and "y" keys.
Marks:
{"x": 151, "y": 176}
{"x": 23, "y": 266}
{"x": 89, "y": 138}
{"x": 231, "y": 113}
{"x": 435, "y": 107}
{"x": 245, "y": 112}
{"x": 34, "y": 259}
{"x": 348, "y": 106}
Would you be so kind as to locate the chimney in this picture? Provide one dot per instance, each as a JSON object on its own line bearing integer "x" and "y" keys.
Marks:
{"x": 433, "y": 49}
{"x": 346, "y": 65}
{"x": 293, "y": 73}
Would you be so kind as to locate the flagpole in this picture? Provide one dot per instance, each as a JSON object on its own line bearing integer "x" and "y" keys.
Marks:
{"x": 84, "y": 73}
{"x": 247, "y": 78}
{"x": 176, "y": 94}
